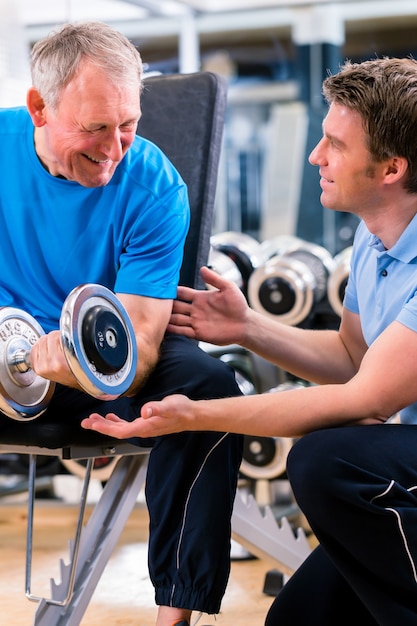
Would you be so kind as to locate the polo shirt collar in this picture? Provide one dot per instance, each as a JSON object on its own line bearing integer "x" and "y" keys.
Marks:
{"x": 405, "y": 249}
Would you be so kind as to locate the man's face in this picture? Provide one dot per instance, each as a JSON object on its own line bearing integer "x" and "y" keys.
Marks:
{"x": 350, "y": 180}
{"x": 89, "y": 133}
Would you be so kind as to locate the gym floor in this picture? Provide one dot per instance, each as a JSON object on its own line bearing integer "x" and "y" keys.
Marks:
{"x": 124, "y": 594}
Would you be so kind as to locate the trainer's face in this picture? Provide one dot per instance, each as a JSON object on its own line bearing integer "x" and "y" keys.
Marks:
{"x": 85, "y": 138}
{"x": 349, "y": 179}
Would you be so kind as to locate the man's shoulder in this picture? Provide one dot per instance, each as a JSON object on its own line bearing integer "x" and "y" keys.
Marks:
{"x": 146, "y": 161}
{"x": 144, "y": 149}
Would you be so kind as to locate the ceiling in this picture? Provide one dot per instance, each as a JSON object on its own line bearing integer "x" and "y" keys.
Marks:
{"x": 45, "y": 12}
{"x": 38, "y": 17}
{"x": 159, "y": 18}
{"x": 186, "y": 24}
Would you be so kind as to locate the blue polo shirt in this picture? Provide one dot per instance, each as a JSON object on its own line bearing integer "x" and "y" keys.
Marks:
{"x": 382, "y": 287}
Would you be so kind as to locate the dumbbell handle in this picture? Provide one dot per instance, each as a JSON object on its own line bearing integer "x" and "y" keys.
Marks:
{"x": 20, "y": 361}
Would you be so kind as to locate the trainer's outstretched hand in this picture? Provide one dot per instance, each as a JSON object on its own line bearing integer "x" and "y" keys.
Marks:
{"x": 216, "y": 315}
{"x": 173, "y": 414}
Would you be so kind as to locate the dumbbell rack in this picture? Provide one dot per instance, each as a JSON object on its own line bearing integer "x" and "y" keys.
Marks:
{"x": 93, "y": 545}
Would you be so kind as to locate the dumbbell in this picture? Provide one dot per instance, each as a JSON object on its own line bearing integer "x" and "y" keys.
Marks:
{"x": 281, "y": 244}
{"x": 245, "y": 252}
{"x": 290, "y": 283}
{"x": 223, "y": 265}
{"x": 316, "y": 257}
{"x": 265, "y": 458}
{"x": 98, "y": 341}
{"x": 338, "y": 280}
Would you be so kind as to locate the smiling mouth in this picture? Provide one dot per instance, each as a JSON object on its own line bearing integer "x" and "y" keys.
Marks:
{"x": 99, "y": 161}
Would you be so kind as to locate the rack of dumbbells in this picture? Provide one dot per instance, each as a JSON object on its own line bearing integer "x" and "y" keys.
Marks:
{"x": 298, "y": 283}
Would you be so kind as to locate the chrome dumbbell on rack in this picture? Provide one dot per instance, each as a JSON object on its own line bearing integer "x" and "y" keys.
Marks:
{"x": 221, "y": 263}
{"x": 292, "y": 281}
{"x": 265, "y": 458}
{"x": 281, "y": 244}
{"x": 98, "y": 342}
{"x": 338, "y": 279}
{"x": 244, "y": 251}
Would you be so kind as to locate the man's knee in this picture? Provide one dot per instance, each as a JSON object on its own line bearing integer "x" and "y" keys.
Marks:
{"x": 220, "y": 378}
{"x": 205, "y": 376}
{"x": 313, "y": 467}
{"x": 306, "y": 456}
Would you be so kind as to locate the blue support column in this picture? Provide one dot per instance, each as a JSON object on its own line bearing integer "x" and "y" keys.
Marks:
{"x": 313, "y": 63}
{"x": 319, "y": 36}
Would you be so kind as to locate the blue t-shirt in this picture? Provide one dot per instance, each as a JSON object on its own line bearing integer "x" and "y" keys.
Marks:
{"x": 382, "y": 287}
{"x": 56, "y": 234}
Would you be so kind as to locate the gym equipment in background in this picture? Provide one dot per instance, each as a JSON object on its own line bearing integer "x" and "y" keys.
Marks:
{"x": 245, "y": 252}
{"x": 338, "y": 278}
{"x": 292, "y": 281}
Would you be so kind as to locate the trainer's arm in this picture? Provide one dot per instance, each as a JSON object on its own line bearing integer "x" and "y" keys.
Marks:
{"x": 222, "y": 316}
{"x": 383, "y": 385}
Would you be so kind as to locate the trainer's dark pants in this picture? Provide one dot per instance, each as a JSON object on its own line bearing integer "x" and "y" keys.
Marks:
{"x": 358, "y": 489}
{"x": 191, "y": 478}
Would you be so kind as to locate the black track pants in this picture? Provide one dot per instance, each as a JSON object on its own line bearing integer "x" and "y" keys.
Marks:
{"x": 357, "y": 487}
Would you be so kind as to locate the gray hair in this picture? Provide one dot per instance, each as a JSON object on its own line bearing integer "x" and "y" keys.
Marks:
{"x": 56, "y": 59}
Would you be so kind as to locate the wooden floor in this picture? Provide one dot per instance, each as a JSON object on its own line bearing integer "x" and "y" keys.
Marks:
{"x": 124, "y": 595}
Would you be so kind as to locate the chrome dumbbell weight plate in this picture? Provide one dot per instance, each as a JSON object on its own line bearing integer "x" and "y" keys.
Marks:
{"x": 338, "y": 280}
{"x": 320, "y": 262}
{"x": 225, "y": 267}
{"x": 316, "y": 257}
{"x": 283, "y": 289}
{"x": 245, "y": 251}
{"x": 265, "y": 458}
{"x": 23, "y": 394}
{"x": 289, "y": 285}
{"x": 98, "y": 340}
{"x": 281, "y": 244}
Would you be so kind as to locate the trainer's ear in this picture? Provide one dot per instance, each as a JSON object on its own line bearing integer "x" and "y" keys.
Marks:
{"x": 36, "y": 107}
{"x": 397, "y": 168}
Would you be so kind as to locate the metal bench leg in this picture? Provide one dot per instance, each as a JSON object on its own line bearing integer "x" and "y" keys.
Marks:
{"x": 68, "y": 593}
{"x": 98, "y": 539}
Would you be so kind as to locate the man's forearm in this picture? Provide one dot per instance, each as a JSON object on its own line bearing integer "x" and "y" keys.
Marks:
{"x": 314, "y": 355}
